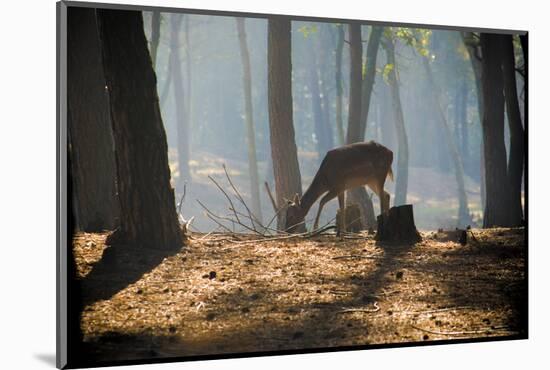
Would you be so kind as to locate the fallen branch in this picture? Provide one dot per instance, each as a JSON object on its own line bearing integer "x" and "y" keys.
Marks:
{"x": 368, "y": 310}
{"x": 466, "y": 332}
{"x": 352, "y": 256}
{"x": 227, "y": 196}
{"x": 252, "y": 217}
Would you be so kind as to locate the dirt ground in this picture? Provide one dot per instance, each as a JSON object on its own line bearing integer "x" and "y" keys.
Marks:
{"x": 224, "y": 294}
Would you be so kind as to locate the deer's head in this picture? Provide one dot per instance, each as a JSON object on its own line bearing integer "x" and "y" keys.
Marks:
{"x": 294, "y": 215}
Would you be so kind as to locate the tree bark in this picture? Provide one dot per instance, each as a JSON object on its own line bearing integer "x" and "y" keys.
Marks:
{"x": 182, "y": 125}
{"x": 497, "y": 205}
{"x": 359, "y": 195}
{"x": 368, "y": 81}
{"x": 339, "y": 82}
{"x": 515, "y": 161}
{"x": 91, "y": 143}
{"x": 249, "y": 120}
{"x": 464, "y": 218}
{"x": 324, "y": 140}
{"x": 284, "y": 154}
{"x": 402, "y": 178}
{"x": 147, "y": 208}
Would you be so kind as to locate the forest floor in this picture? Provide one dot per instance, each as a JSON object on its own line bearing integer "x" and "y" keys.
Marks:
{"x": 227, "y": 294}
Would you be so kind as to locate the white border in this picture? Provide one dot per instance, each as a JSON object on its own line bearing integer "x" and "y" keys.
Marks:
{"x": 28, "y": 182}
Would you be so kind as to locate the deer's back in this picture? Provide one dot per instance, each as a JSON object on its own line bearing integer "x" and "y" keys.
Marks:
{"x": 355, "y": 164}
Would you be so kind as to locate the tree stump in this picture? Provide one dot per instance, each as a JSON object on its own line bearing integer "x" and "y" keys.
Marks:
{"x": 354, "y": 222}
{"x": 397, "y": 226}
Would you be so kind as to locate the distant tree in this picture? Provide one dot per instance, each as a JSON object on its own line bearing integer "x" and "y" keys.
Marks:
{"x": 322, "y": 129}
{"x": 356, "y": 131}
{"x": 390, "y": 70}
{"x": 182, "y": 124}
{"x": 155, "y": 36}
{"x": 471, "y": 42}
{"x": 464, "y": 218}
{"x": 249, "y": 120}
{"x": 90, "y": 139}
{"x": 338, "y": 81}
{"x": 497, "y": 207}
{"x": 516, "y": 160}
{"x": 284, "y": 154}
{"x": 148, "y": 215}
{"x": 369, "y": 77}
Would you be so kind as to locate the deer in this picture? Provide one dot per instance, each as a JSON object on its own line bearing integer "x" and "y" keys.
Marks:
{"x": 344, "y": 168}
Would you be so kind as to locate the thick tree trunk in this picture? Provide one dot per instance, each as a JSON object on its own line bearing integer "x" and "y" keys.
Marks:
{"x": 368, "y": 81}
{"x": 91, "y": 143}
{"x": 464, "y": 218}
{"x": 515, "y": 161}
{"x": 147, "y": 208}
{"x": 497, "y": 207}
{"x": 179, "y": 101}
{"x": 284, "y": 154}
{"x": 359, "y": 195}
{"x": 402, "y": 178}
{"x": 155, "y": 36}
{"x": 339, "y": 82}
{"x": 249, "y": 120}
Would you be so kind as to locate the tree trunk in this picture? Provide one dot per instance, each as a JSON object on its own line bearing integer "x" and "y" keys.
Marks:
{"x": 155, "y": 36}
{"x": 284, "y": 154}
{"x": 147, "y": 209}
{"x": 182, "y": 125}
{"x": 338, "y": 77}
{"x": 515, "y": 161}
{"x": 91, "y": 143}
{"x": 323, "y": 68}
{"x": 359, "y": 195}
{"x": 368, "y": 81}
{"x": 464, "y": 218}
{"x": 251, "y": 137}
{"x": 402, "y": 178}
{"x": 497, "y": 208}
{"x": 324, "y": 141}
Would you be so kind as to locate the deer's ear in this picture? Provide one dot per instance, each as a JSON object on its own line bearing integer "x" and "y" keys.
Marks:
{"x": 296, "y": 199}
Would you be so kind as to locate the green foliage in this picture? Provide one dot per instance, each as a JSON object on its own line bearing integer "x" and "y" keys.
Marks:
{"x": 306, "y": 30}
{"x": 388, "y": 68}
{"x": 418, "y": 39}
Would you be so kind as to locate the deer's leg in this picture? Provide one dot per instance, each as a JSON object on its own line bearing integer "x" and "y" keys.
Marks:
{"x": 342, "y": 203}
{"x": 330, "y": 195}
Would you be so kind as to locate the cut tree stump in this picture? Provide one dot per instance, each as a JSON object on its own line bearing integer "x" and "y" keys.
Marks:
{"x": 354, "y": 221}
{"x": 397, "y": 226}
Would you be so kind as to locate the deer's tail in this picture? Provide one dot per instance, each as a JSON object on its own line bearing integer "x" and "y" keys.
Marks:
{"x": 390, "y": 174}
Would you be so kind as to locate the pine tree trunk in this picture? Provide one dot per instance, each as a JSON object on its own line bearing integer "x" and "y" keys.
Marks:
{"x": 402, "y": 177}
{"x": 324, "y": 141}
{"x": 515, "y": 161}
{"x": 91, "y": 148}
{"x": 179, "y": 102}
{"x": 284, "y": 154}
{"x": 497, "y": 209}
{"x": 359, "y": 195}
{"x": 147, "y": 208}
{"x": 464, "y": 218}
{"x": 251, "y": 137}
{"x": 338, "y": 77}
{"x": 368, "y": 81}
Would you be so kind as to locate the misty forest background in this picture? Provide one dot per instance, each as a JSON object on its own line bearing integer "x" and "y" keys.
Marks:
{"x": 426, "y": 105}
